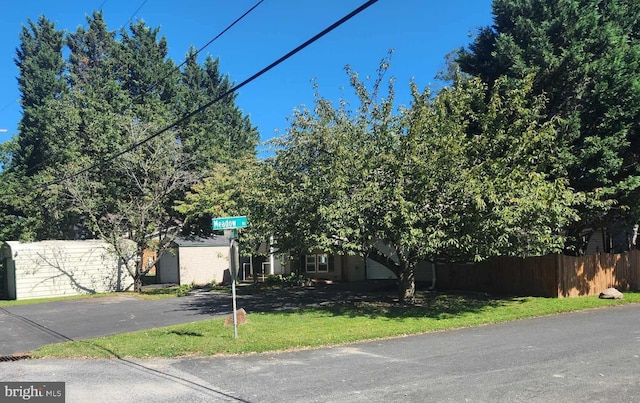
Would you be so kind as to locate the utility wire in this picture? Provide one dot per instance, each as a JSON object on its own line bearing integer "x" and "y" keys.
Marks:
{"x": 222, "y": 32}
{"x": 136, "y": 12}
{"x": 177, "y": 68}
{"x": 8, "y": 105}
{"x": 220, "y": 97}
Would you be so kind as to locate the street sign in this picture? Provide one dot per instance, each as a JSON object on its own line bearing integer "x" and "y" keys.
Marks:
{"x": 229, "y": 223}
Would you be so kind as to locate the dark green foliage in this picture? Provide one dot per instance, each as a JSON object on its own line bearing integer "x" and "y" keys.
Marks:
{"x": 221, "y": 132}
{"x": 412, "y": 185}
{"x": 146, "y": 74}
{"x": 42, "y": 85}
{"x": 584, "y": 56}
{"x": 95, "y": 73}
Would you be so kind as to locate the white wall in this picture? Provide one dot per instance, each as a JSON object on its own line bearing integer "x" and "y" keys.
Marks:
{"x": 378, "y": 271}
{"x": 203, "y": 265}
{"x": 59, "y": 268}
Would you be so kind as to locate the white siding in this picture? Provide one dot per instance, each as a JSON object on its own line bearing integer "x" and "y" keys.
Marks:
{"x": 59, "y": 268}
{"x": 377, "y": 271}
{"x": 203, "y": 265}
{"x": 278, "y": 264}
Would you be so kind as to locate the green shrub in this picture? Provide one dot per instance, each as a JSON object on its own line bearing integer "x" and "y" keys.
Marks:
{"x": 183, "y": 290}
{"x": 292, "y": 280}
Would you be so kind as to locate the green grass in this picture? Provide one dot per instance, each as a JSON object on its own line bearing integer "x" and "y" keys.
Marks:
{"x": 4, "y": 303}
{"x": 157, "y": 293}
{"x": 323, "y": 326}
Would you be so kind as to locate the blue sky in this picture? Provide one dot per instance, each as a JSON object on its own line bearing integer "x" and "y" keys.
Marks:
{"x": 420, "y": 32}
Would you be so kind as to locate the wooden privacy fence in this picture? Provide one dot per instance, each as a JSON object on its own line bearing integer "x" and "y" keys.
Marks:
{"x": 544, "y": 276}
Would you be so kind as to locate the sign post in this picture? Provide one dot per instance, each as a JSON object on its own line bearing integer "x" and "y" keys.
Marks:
{"x": 232, "y": 223}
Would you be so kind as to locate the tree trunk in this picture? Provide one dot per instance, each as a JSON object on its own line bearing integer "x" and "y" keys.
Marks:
{"x": 137, "y": 280}
{"x": 253, "y": 270}
{"x": 137, "y": 283}
{"x": 407, "y": 284}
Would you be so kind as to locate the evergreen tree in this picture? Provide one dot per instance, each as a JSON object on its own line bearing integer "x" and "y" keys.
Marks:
{"x": 584, "y": 56}
{"x": 43, "y": 139}
{"x": 147, "y": 75}
{"x": 221, "y": 133}
{"x": 98, "y": 98}
{"x": 79, "y": 111}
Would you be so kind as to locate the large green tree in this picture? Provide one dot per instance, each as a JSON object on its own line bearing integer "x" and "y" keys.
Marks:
{"x": 407, "y": 186}
{"x": 584, "y": 56}
{"x": 98, "y": 96}
{"x": 44, "y": 142}
{"x": 41, "y": 81}
{"x": 147, "y": 74}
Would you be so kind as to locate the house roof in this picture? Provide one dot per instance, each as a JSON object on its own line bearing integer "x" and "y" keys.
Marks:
{"x": 192, "y": 242}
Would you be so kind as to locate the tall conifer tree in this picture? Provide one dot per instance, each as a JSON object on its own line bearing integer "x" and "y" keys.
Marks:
{"x": 584, "y": 56}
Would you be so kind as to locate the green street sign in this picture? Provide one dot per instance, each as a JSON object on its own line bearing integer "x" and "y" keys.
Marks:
{"x": 229, "y": 223}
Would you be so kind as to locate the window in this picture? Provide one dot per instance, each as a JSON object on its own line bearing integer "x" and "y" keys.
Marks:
{"x": 322, "y": 263}
{"x": 310, "y": 263}
{"x": 318, "y": 263}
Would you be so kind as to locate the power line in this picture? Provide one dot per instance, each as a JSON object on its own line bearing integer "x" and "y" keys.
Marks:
{"x": 220, "y": 97}
{"x": 136, "y": 12}
{"x": 8, "y": 105}
{"x": 222, "y": 32}
{"x": 177, "y": 68}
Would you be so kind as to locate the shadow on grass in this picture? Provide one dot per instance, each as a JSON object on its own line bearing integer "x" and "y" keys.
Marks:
{"x": 185, "y": 333}
{"x": 431, "y": 305}
{"x": 373, "y": 299}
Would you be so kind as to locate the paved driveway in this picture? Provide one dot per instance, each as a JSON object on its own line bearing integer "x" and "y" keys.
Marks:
{"x": 27, "y": 327}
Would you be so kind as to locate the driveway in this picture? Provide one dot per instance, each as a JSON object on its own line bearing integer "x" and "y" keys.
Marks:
{"x": 27, "y": 327}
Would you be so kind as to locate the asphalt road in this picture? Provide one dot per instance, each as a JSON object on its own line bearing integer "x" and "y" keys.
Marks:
{"x": 586, "y": 356}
